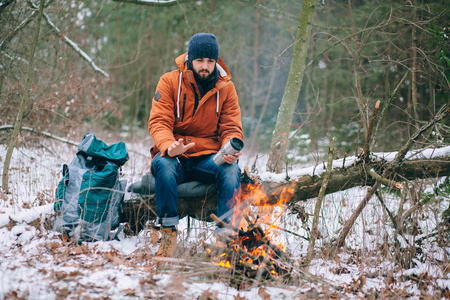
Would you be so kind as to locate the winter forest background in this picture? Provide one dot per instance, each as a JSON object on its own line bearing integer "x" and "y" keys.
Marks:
{"x": 95, "y": 68}
{"x": 358, "y": 54}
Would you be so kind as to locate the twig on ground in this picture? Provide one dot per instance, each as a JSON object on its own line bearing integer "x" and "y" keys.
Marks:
{"x": 290, "y": 232}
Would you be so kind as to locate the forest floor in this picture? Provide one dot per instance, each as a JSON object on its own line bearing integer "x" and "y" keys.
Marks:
{"x": 35, "y": 263}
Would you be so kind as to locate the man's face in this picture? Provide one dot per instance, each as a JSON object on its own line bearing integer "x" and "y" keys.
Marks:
{"x": 203, "y": 68}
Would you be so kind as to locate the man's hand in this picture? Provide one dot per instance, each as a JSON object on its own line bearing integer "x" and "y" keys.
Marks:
{"x": 229, "y": 158}
{"x": 178, "y": 148}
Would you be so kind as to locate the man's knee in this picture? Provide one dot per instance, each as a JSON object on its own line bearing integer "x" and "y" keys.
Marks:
{"x": 231, "y": 173}
{"x": 164, "y": 166}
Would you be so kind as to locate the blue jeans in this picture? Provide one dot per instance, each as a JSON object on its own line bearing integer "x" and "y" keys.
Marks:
{"x": 170, "y": 172}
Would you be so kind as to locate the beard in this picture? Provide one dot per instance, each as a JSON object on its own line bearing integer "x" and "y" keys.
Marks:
{"x": 204, "y": 77}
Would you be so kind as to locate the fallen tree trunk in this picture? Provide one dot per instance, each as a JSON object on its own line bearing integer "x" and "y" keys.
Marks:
{"x": 138, "y": 211}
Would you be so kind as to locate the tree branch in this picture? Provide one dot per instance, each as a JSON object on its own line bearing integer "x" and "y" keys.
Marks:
{"x": 43, "y": 133}
{"x": 315, "y": 224}
{"x": 155, "y": 2}
{"x": 5, "y": 4}
{"x": 369, "y": 131}
{"x": 386, "y": 173}
{"x": 10, "y": 36}
{"x": 402, "y": 152}
{"x": 57, "y": 138}
{"x": 383, "y": 111}
{"x": 384, "y": 181}
{"x": 72, "y": 44}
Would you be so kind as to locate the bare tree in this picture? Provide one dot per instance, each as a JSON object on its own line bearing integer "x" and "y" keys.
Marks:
{"x": 24, "y": 101}
{"x": 292, "y": 89}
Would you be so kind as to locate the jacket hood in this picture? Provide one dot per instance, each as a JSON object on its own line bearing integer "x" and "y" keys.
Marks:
{"x": 224, "y": 73}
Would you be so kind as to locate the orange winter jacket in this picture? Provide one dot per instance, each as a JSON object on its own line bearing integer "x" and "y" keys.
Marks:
{"x": 216, "y": 120}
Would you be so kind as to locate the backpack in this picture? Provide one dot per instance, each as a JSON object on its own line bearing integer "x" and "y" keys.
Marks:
{"x": 89, "y": 196}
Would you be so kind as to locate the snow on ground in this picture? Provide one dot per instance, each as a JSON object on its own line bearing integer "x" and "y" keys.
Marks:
{"x": 36, "y": 264}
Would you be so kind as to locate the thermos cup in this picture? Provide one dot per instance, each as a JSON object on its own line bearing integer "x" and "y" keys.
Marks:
{"x": 231, "y": 147}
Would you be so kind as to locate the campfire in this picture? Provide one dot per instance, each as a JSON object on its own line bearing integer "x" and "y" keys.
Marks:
{"x": 254, "y": 248}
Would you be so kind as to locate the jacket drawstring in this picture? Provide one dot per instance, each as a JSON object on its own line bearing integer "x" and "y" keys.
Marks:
{"x": 217, "y": 105}
{"x": 178, "y": 100}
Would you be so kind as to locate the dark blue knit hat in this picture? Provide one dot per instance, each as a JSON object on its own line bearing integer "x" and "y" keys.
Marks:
{"x": 203, "y": 45}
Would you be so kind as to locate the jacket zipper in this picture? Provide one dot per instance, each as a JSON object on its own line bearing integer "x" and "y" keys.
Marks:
{"x": 184, "y": 105}
{"x": 196, "y": 99}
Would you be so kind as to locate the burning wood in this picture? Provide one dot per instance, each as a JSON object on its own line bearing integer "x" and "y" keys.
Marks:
{"x": 249, "y": 248}
{"x": 250, "y": 253}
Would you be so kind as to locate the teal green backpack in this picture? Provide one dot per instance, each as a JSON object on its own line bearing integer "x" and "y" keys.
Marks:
{"x": 90, "y": 195}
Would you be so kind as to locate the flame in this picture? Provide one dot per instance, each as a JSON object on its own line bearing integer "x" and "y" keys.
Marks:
{"x": 259, "y": 215}
{"x": 268, "y": 208}
{"x": 221, "y": 260}
{"x": 225, "y": 264}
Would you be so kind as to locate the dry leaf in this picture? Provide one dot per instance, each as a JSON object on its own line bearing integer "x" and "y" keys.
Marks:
{"x": 13, "y": 295}
{"x": 129, "y": 291}
{"x": 360, "y": 282}
{"x": 399, "y": 185}
{"x": 98, "y": 263}
{"x": 263, "y": 294}
{"x": 36, "y": 224}
{"x": 207, "y": 295}
{"x": 11, "y": 223}
{"x": 3, "y": 195}
{"x": 62, "y": 250}
{"x": 112, "y": 257}
{"x": 340, "y": 270}
{"x": 154, "y": 236}
{"x": 52, "y": 245}
{"x": 76, "y": 250}
{"x": 390, "y": 277}
{"x": 238, "y": 297}
{"x": 176, "y": 287}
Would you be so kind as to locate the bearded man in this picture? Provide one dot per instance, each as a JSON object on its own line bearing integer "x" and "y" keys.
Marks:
{"x": 195, "y": 112}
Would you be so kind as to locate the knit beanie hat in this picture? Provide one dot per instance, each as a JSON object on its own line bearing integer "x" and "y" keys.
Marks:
{"x": 203, "y": 45}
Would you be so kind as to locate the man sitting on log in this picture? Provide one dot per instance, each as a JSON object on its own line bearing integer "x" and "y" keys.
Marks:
{"x": 195, "y": 112}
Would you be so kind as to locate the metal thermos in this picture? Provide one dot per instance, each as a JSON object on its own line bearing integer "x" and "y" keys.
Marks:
{"x": 231, "y": 147}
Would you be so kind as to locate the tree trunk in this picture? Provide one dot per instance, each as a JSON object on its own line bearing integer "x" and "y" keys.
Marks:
{"x": 415, "y": 102}
{"x": 255, "y": 82}
{"x": 148, "y": 74}
{"x": 363, "y": 109}
{"x": 23, "y": 103}
{"x": 138, "y": 211}
{"x": 292, "y": 89}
